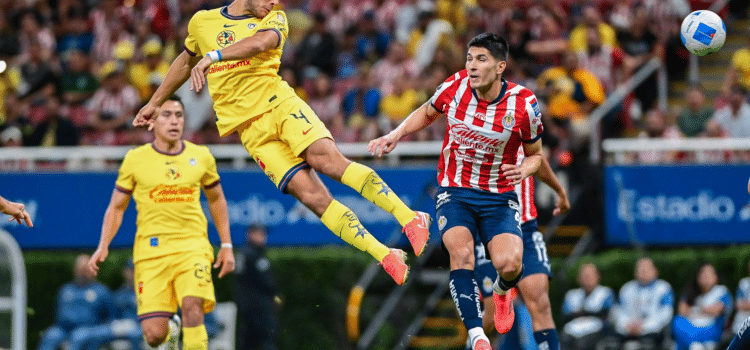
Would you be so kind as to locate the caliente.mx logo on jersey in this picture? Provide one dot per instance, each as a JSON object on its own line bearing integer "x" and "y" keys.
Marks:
{"x": 225, "y": 38}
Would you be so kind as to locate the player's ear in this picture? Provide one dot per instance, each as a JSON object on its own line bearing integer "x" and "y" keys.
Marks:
{"x": 500, "y": 66}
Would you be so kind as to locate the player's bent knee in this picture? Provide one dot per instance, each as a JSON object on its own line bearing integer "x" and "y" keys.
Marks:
{"x": 155, "y": 336}
{"x": 462, "y": 257}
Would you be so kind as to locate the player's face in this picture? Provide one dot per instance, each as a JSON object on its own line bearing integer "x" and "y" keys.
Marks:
{"x": 261, "y": 8}
{"x": 482, "y": 67}
{"x": 170, "y": 122}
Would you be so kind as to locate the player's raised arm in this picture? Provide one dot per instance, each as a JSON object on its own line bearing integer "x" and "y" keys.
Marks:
{"x": 546, "y": 175}
{"x": 178, "y": 74}
{"x": 217, "y": 205}
{"x": 417, "y": 120}
{"x": 111, "y": 224}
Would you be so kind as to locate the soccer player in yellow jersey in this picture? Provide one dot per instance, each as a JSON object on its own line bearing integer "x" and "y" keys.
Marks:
{"x": 240, "y": 45}
{"x": 172, "y": 253}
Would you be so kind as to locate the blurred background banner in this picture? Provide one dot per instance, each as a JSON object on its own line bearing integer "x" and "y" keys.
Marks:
{"x": 676, "y": 205}
{"x": 67, "y": 209}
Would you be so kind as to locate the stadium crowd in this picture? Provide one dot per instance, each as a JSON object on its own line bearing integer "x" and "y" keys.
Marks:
{"x": 76, "y": 71}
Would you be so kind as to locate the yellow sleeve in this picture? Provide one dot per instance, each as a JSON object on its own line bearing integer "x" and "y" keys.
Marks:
{"x": 577, "y": 41}
{"x": 278, "y": 23}
{"x": 191, "y": 42}
{"x": 211, "y": 177}
{"x": 126, "y": 176}
{"x": 592, "y": 88}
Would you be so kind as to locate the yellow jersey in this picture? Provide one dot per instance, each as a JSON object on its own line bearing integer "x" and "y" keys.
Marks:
{"x": 167, "y": 190}
{"x": 241, "y": 89}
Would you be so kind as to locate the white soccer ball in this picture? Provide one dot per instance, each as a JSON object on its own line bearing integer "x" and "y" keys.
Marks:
{"x": 703, "y": 32}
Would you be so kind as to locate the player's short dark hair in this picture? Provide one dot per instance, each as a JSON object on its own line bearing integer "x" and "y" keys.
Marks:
{"x": 177, "y": 99}
{"x": 495, "y": 44}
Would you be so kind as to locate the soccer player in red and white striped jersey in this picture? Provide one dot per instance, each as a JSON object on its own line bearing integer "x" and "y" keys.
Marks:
{"x": 488, "y": 119}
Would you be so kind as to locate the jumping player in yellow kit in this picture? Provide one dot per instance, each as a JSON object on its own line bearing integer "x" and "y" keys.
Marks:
{"x": 172, "y": 253}
{"x": 241, "y": 45}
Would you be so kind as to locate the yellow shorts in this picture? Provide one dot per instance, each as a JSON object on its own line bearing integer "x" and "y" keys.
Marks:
{"x": 277, "y": 138}
{"x": 161, "y": 283}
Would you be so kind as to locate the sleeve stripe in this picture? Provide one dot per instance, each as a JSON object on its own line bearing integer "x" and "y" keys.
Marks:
{"x": 534, "y": 139}
{"x": 123, "y": 190}
{"x": 275, "y": 30}
{"x": 191, "y": 53}
{"x": 436, "y": 107}
{"x": 212, "y": 185}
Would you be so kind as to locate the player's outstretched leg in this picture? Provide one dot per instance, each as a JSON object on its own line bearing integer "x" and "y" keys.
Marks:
{"x": 323, "y": 156}
{"x": 306, "y": 186}
{"x": 194, "y": 335}
{"x": 535, "y": 292}
{"x": 742, "y": 338}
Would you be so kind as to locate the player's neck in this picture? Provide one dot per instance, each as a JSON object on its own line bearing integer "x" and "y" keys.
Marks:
{"x": 236, "y": 8}
{"x": 490, "y": 92}
{"x": 168, "y": 147}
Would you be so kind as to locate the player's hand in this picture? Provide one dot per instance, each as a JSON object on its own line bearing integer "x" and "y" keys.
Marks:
{"x": 99, "y": 255}
{"x": 562, "y": 205}
{"x": 17, "y": 211}
{"x": 198, "y": 74}
{"x": 382, "y": 145}
{"x": 513, "y": 173}
{"x": 225, "y": 259}
{"x": 145, "y": 116}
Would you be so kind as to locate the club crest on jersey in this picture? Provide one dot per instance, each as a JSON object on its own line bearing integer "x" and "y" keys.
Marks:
{"x": 251, "y": 26}
{"x": 225, "y": 38}
{"x": 280, "y": 17}
{"x": 271, "y": 176}
{"x": 193, "y": 162}
{"x": 173, "y": 173}
{"x": 442, "y": 221}
{"x": 509, "y": 120}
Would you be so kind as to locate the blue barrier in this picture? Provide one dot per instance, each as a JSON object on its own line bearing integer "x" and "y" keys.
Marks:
{"x": 67, "y": 209}
{"x": 677, "y": 205}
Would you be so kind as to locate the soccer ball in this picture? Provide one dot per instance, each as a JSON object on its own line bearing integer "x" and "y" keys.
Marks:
{"x": 703, "y": 32}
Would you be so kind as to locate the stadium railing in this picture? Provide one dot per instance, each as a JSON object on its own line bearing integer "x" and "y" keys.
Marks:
{"x": 88, "y": 158}
{"x": 16, "y": 302}
{"x": 617, "y": 150}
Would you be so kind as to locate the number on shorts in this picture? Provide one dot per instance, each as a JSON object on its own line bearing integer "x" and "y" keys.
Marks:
{"x": 203, "y": 272}
{"x": 301, "y": 116}
{"x": 541, "y": 248}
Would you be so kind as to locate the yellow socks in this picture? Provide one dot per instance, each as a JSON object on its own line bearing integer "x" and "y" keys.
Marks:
{"x": 365, "y": 181}
{"x": 342, "y": 222}
{"x": 194, "y": 338}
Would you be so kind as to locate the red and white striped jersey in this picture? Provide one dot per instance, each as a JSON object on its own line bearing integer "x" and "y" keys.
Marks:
{"x": 481, "y": 135}
{"x": 525, "y": 191}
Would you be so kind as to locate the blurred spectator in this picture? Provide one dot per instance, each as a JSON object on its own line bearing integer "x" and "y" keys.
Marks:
{"x": 11, "y": 137}
{"x": 76, "y": 86}
{"x": 453, "y": 11}
{"x": 585, "y": 311}
{"x": 255, "y": 293}
{"x": 290, "y": 77}
{"x": 429, "y": 34}
{"x": 112, "y": 105}
{"x": 518, "y": 37}
{"x": 395, "y": 64}
{"x": 713, "y": 130}
{"x": 572, "y": 93}
{"x": 693, "y": 117}
{"x": 734, "y": 118}
{"x": 346, "y": 60}
{"x": 54, "y": 129}
{"x": 361, "y": 106}
{"x": 645, "y": 308}
{"x": 371, "y": 43}
{"x": 640, "y": 45}
{"x": 324, "y": 101}
{"x": 385, "y": 14}
{"x": 742, "y": 303}
{"x": 591, "y": 19}
{"x": 548, "y": 42}
{"x": 16, "y": 114}
{"x": 398, "y": 104}
{"x": 703, "y": 309}
{"x": 604, "y": 61}
{"x": 9, "y": 43}
{"x": 153, "y": 68}
{"x": 37, "y": 79}
{"x": 317, "y": 49}
{"x": 81, "y": 304}
{"x": 73, "y": 31}
{"x": 111, "y": 38}
{"x": 406, "y": 19}
{"x": 656, "y": 126}
{"x": 34, "y": 32}
{"x": 621, "y": 15}
{"x": 739, "y": 70}
{"x": 341, "y": 15}
{"x": 124, "y": 324}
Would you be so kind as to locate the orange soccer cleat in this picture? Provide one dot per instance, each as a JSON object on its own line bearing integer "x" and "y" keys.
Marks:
{"x": 395, "y": 265}
{"x": 481, "y": 344}
{"x": 418, "y": 231}
{"x": 504, "y": 313}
